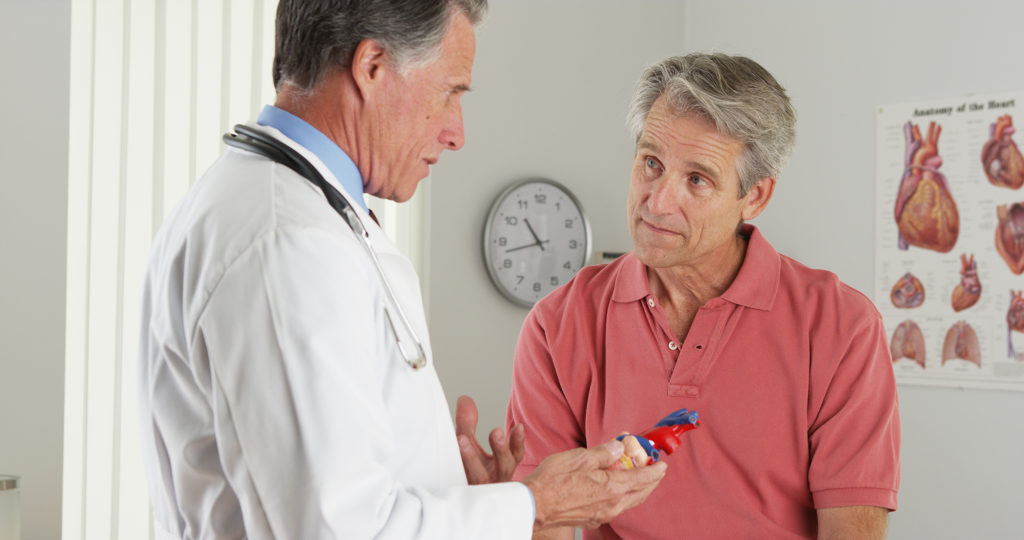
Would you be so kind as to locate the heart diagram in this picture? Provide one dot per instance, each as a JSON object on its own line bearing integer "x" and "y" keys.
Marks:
{"x": 907, "y": 342}
{"x": 908, "y": 292}
{"x": 967, "y": 293}
{"x": 1014, "y": 321}
{"x": 1004, "y": 165}
{"x": 1010, "y": 235}
{"x": 925, "y": 212}
{"x": 961, "y": 343}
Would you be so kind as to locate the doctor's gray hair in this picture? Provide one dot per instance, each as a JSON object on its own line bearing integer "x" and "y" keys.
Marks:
{"x": 314, "y": 37}
{"x": 735, "y": 93}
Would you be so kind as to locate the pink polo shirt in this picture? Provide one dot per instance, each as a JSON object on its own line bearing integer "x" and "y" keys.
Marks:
{"x": 789, "y": 370}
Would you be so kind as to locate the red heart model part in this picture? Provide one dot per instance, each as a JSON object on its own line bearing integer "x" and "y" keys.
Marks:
{"x": 1004, "y": 165}
{"x": 925, "y": 211}
{"x": 961, "y": 342}
{"x": 907, "y": 342}
{"x": 1010, "y": 235}
{"x": 967, "y": 293}
{"x": 908, "y": 292}
{"x": 1014, "y": 321}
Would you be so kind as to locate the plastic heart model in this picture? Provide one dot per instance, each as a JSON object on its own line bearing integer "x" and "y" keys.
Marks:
{"x": 967, "y": 293}
{"x": 908, "y": 342}
{"x": 1010, "y": 235}
{"x": 925, "y": 211}
{"x": 908, "y": 292}
{"x": 1004, "y": 165}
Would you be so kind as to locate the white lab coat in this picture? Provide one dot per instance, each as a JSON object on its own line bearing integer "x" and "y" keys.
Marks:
{"x": 273, "y": 399}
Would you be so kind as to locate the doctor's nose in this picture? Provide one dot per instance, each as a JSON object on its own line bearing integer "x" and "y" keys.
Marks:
{"x": 453, "y": 136}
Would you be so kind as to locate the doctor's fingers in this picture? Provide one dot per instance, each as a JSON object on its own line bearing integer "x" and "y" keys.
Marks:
{"x": 633, "y": 454}
{"x": 575, "y": 487}
{"x": 508, "y": 451}
{"x": 637, "y": 485}
{"x": 466, "y": 417}
{"x": 475, "y": 461}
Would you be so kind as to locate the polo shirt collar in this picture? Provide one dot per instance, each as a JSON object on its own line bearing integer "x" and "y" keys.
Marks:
{"x": 755, "y": 285}
{"x": 758, "y": 279}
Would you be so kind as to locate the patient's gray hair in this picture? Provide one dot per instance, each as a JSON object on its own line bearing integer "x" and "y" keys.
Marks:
{"x": 316, "y": 36}
{"x": 739, "y": 96}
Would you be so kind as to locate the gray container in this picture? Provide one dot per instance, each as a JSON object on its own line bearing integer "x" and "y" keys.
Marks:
{"x": 10, "y": 507}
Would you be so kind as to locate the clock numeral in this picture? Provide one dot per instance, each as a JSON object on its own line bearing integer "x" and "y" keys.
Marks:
{"x": 573, "y": 244}
{"x": 511, "y": 220}
{"x": 536, "y": 286}
{"x": 554, "y": 280}
{"x": 503, "y": 241}
{"x": 558, "y": 206}
{"x": 568, "y": 224}
{"x": 523, "y": 205}
{"x": 519, "y": 279}
{"x": 541, "y": 198}
{"x": 507, "y": 263}
{"x": 567, "y": 265}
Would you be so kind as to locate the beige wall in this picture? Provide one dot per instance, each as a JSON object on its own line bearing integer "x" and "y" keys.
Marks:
{"x": 34, "y": 45}
{"x": 550, "y": 89}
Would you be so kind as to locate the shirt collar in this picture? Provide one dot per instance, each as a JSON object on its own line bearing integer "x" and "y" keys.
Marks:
{"x": 755, "y": 284}
{"x": 337, "y": 161}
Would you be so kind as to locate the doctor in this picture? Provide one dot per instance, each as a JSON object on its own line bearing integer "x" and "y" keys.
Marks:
{"x": 275, "y": 400}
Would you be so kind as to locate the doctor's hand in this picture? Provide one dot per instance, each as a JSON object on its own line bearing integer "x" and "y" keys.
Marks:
{"x": 581, "y": 488}
{"x": 481, "y": 467}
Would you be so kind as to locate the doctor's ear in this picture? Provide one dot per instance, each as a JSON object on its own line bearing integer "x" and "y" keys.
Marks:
{"x": 757, "y": 198}
{"x": 369, "y": 61}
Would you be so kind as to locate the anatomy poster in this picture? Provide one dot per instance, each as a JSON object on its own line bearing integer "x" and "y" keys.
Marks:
{"x": 949, "y": 264}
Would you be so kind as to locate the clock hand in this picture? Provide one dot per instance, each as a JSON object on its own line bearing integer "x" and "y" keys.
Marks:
{"x": 528, "y": 246}
{"x": 535, "y": 237}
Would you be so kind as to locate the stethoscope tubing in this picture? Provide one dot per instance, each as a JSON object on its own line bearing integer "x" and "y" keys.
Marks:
{"x": 260, "y": 143}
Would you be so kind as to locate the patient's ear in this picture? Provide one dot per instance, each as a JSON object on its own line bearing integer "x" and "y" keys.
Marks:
{"x": 757, "y": 198}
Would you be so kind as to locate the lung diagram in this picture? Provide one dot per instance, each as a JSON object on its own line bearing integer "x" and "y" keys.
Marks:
{"x": 925, "y": 211}
{"x": 907, "y": 342}
{"x": 961, "y": 343}
{"x": 1004, "y": 165}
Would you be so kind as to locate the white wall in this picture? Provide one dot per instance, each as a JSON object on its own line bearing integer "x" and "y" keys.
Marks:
{"x": 550, "y": 88}
{"x": 34, "y": 59}
{"x": 963, "y": 450}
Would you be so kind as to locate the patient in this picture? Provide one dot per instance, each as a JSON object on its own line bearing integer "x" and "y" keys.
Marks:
{"x": 787, "y": 365}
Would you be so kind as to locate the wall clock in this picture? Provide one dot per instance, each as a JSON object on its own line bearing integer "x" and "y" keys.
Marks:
{"x": 535, "y": 238}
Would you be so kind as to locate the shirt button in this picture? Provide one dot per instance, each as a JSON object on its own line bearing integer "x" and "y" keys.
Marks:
{"x": 672, "y": 345}
{"x": 650, "y": 302}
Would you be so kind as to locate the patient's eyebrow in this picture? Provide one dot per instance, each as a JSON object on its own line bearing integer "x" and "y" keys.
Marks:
{"x": 708, "y": 170}
{"x": 649, "y": 145}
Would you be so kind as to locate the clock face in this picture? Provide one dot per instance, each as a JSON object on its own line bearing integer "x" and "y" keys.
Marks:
{"x": 535, "y": 239}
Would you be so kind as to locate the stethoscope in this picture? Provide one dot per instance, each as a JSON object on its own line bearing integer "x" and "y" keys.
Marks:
{"x": 257, "y": 142}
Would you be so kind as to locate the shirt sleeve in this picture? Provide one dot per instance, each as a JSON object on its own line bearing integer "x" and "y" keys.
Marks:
{"x": 538, "y": 400}
{"x": 854, "y": 432}
{"x": 294, "y": 345}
